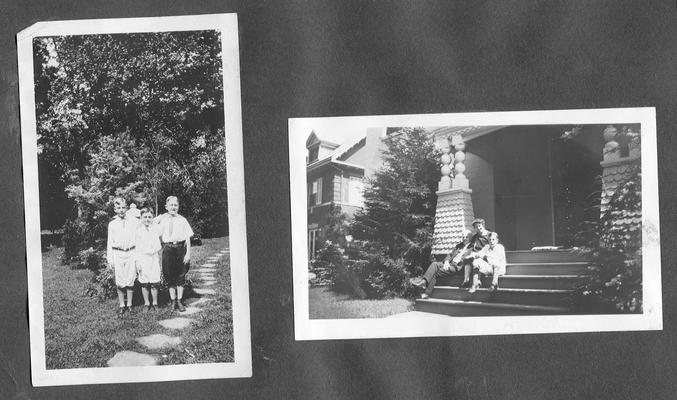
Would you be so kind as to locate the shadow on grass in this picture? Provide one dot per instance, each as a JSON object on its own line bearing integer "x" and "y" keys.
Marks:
{"x": 324, "y": 303}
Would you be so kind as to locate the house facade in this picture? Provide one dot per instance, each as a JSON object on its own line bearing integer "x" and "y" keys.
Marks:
{"x": 335, "y": 177}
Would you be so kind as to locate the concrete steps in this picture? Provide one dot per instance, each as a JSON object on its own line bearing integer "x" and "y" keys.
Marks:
{"x": 544, "y": 297}
{"x": 482, "y": 309}
{"x": 540, "y": 256}
{"x": 567, "y": 268}
{"x": 520, "y": 281}
{"x": 536, "y": 283}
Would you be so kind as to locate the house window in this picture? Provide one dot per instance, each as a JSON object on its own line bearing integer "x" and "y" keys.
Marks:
{"x": 312, "y": 242}
{"x": 352, "y": 191}
{"x": 312, "y": 154}
{"x": 355, "y": 191}
{"x": 315, "y": 195}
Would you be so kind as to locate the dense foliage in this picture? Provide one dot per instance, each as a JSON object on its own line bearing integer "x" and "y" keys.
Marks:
{"x": 133, "y": 115}
{"x": 616, "y": 252}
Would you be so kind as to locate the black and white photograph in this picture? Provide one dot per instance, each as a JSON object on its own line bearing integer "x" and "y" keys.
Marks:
{"x": 473, "y": 224}
{"x": 134, "y": 200}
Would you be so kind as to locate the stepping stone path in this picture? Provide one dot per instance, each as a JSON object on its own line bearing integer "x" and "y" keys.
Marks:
{"x": 161, "y": 341}
{"x": 195, "y": 302}
{"x": 131, "y": 359}
{"x": 175, "y": 323}
{"x": 204, "y": 291}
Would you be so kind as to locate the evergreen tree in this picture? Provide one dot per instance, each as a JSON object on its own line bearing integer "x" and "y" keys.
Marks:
{"x": 400, "y": 199}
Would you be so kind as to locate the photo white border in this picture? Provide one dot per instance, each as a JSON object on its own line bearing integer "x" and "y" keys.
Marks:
{"x": 322, "y": 329}
{"x": 241, "y": 367}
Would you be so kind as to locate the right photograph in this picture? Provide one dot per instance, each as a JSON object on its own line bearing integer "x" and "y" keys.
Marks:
{"x": 479, "y": 223}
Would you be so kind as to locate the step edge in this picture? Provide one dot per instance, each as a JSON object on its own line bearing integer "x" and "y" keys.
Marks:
{"x": 516, "y": 290}
{"x": 543, "y": 276}
{"x": 503, "y": 306}
{"x": 554, "y": 264}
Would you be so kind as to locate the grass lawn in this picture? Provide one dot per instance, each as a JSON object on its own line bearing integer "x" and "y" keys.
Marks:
{"x": 327, "y": 304}
{"x": 85, "y": 332}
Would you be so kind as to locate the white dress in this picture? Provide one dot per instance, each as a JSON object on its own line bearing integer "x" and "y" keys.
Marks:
{"x": 147, "y": 254}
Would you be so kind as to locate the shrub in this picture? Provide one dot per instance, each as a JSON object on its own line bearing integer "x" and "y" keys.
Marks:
{"x": 90, "y": 259}
{"x": 102, "y": 284}
{"x": 330, "y": 254}
{"x": 615, "y": 283}
{"x": 73, "y": 232}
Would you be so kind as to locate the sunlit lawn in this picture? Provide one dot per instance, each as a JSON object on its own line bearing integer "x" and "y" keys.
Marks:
{"x": 85, "y": 332}
{"x": 327, "y": 304}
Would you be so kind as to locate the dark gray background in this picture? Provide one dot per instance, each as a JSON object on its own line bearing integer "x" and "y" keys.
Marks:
{"x": 309, "y": 59}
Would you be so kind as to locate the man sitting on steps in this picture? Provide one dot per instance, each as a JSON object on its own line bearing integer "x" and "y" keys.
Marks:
{"x": 461, "y": 257}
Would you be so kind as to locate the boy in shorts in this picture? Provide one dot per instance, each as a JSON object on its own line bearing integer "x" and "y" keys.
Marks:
{"x": 489, "y": 261}
{"x": 175, "y": 233}
{"x": 120, "y": 253}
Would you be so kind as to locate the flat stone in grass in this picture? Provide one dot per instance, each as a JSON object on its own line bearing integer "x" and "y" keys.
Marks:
{"x": 207, "y": 278}
{"x": 208, "y": 283}
{"x": 191, "y": 310}
{"x": 204, "y": 291}
{"x": 175, "y": 323}
{"x": 131, "y": 359}
{"x": 208, "y": 265}
{"x": 158, "y": 341}
{"x": 194, "y": 302}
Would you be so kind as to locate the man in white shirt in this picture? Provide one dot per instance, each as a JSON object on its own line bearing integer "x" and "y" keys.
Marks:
{"x": 120, "y": 247}
{"x": 175, "y": 234}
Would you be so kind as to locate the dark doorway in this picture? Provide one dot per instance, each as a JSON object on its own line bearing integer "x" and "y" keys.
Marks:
{"x": 576, "y": 184}
{"x": 542, "y": 187}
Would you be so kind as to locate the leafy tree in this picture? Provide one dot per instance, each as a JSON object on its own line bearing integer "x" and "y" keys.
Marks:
{"x": 397, "y": 219}
{"x": 142, "y": 111}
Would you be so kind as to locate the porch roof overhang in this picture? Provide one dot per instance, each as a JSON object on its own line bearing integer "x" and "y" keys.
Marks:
{"x": 329, "y": 161}
{"x": 468, "y": 133}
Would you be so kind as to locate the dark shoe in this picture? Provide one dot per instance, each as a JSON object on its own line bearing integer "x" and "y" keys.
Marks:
{"x": 466, "y": 284}
{"x": 121, "y": 311}
{"x": 493, "y": 288}
{"x": 419, "y": 282}
{"x": 181, "y": 307}
{"x": 148, "y": 307}
{"x": 175, "y": 306}
{"x": 129, "y": 309}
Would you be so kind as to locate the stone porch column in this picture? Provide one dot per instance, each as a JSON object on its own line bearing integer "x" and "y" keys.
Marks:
{"x": 454, "y": 211}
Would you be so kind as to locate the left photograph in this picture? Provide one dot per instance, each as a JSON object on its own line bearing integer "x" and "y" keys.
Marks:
{"x": 134, "y": 200}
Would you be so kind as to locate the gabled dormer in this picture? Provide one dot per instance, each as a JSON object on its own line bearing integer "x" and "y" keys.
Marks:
{"x": 319, "y": 149}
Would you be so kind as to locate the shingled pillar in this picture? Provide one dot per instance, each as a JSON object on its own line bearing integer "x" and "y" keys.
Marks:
{"x": 616, "y": 167}
{"x": 454, "y": 212}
